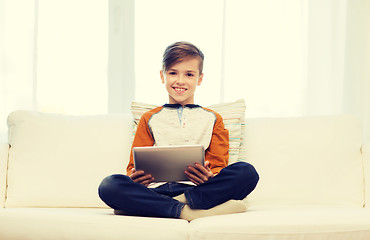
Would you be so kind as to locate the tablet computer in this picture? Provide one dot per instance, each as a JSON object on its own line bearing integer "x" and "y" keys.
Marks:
{"x": 167, "y": 163}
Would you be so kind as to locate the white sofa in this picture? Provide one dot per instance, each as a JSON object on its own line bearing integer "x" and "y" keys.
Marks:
{"x": 314, "y": 181}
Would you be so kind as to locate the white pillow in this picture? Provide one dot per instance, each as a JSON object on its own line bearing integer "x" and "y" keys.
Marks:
{"x": 59, "y": 161}
{"x": 233, "y": 115}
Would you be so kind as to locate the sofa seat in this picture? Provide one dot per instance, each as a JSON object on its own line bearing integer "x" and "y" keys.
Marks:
{"x": 85, "y": 223}
{"x": 258, "y": 223}
{"x": 290, "y": 223}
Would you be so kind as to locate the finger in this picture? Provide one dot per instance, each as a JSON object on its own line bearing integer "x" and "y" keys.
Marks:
{"x": 209, "y": 173}
{"x": 136, "y": 174}
{"x": 193, "y": 181}
{"x": 206, "y": 165}
{"x": 206, "y": 170}
{"x": 140, "y": 177}
{"x": 194, "y": 171}
{"x": 194, "y": 178}
{"x": 198, "y": 173}
{"x": 132, "y": 171}
{"x": 143, "y": 178}
{"x": 201, "y": 168}
{"x": 147, "y": 182}
{"x": 190, "y": 176}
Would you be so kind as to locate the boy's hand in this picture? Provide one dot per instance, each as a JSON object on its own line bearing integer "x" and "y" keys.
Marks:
{"x": 199, "y": 174}
{"x": 141, "y": 177}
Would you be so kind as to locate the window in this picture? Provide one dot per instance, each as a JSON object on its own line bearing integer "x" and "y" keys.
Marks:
{"x": 72, "y": 53}
{"x": 284, "y": 57}
{"x": 264, "y": 60}
{"x": 54, "y": 57}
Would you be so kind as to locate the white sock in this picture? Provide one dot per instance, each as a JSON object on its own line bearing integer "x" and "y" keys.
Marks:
{"x": 231, "y": 206}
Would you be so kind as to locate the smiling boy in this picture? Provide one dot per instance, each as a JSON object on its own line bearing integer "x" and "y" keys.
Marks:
{"x": 181, "y": 81}
{"x": 214, "y": 188}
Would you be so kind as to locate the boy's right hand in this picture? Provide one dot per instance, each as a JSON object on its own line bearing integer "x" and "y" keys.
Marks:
{"x": 141, "y": 177}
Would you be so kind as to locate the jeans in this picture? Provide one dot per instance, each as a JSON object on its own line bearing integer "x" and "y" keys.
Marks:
{"x": 119, "y": 192}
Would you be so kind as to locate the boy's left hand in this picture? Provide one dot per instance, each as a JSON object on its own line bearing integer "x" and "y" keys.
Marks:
{"x": 199, "y": 174}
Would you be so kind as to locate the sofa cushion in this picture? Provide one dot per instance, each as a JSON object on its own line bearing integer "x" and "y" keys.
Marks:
{"x": 306, "y": 161}
{"x": 91, "y": 224}
{"x": 59, "y": 161}
{"x": 233, "y": 114}
{"x": 285, "y": 224}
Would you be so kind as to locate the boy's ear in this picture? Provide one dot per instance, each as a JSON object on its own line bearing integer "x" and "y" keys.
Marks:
{"x": 162, "y": 76}
{"x": 200, "y": 80}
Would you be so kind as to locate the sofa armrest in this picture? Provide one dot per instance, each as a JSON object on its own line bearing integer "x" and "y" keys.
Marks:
{"x": 366, "y": 159}
{"x": 4, "y": 152}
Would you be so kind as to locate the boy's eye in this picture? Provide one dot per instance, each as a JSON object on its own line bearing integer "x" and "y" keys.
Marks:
{"x": 172, "y": 73}
{"x": 189, "y": 74}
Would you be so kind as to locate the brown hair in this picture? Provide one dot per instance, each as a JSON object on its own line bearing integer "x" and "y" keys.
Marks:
{"x": 178, "y": 52}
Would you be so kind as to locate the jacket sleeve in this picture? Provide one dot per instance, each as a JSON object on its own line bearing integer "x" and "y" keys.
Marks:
{"x": 142, "y": 138}
{"x": 218, "y": 151}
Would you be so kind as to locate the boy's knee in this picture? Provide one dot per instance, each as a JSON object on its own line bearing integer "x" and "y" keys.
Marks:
{"x": 110, "y": 184}
{"x": 246, "y": 172}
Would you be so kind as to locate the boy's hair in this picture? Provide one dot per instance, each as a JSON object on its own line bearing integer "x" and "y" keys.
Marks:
{"x": 178, "y": 52}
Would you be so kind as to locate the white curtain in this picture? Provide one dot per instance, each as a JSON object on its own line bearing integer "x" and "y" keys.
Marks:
{"x": 265, "y": 56}
{"x": 72, "y": 56}
{"x": 53, "y": 57}
{"x": 338, "y": 67}
{"x": 290, "y": 58}
{"x": 356, "y": 96}
{"x": 285, "y": 57}
{"x": 16, "y": 58}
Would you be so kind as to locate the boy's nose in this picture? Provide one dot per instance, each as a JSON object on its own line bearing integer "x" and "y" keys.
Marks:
{"x": 180, "y": 80}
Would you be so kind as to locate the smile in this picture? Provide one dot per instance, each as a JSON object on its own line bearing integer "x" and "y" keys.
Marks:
{"x": 179, "y": 90}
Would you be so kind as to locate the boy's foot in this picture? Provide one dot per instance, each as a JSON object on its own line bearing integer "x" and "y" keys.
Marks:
{"x": 231, "y": 206}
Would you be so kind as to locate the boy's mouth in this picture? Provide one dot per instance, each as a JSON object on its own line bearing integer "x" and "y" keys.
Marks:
{"x": 179, "y": 90}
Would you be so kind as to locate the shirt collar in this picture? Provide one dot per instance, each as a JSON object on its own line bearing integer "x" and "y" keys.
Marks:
{"x": 179, "y": 105}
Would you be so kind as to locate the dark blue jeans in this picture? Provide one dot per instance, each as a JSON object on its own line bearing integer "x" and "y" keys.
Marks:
{"x": 235, "y": 181}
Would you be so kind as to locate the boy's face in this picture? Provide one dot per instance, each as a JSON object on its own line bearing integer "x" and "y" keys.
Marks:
{"x": 181, "y": 80}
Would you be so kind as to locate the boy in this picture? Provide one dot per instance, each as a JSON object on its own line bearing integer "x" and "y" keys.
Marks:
{"x": 214, "y": 188}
